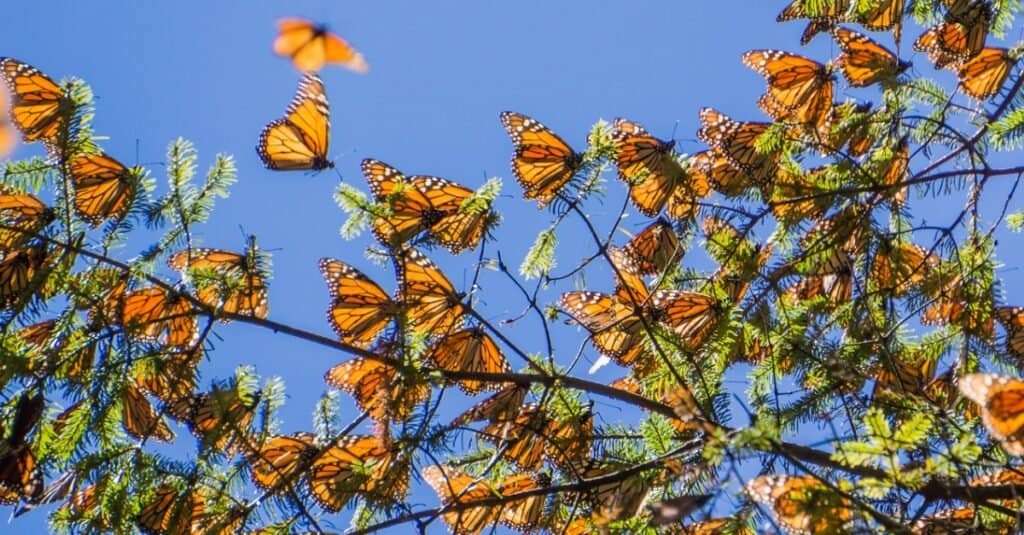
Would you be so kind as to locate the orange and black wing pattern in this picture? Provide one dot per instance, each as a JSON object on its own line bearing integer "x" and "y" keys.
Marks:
{"x": 360, "y": 310}
{"x": 38, "y": 104}
{"x": 799, "y": 89}
{"x": 1012, "y": 319}
{"x": 363, "y": 465}
{"x": 737, "y": 143}
{"x": 543, "y": 163}
{"x": 104, "y": 188}
{"x": 155, "y": 314}
{"x": 20, "y": 271}
{"x": 1001, "y": 400}
{"x": 432, "y": 304}
{"x": 655, "y": 248}
{"x": 141, "y": 420}
{"x": 865, "y": 62}
{"x": 310, "y": 46}
{"x": 301, "y": 139}
{"x": 378, "y": 388}
{"x": 225, "y": 280}
{"x": 20, "y": 478}
{"x": 801, "y": 504}
{"x": 455, "y": 487}
{"x": 469, "y": 350}
{"x": 219, "y": 418}
{"x": 21, "y": 216}
{"x": 820, "y": 20}
{"x": 983, "y": 75}
{"x": 281, "y": 458}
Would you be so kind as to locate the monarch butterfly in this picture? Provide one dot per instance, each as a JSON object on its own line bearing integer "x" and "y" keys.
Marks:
{"x": 460, "y": 490}
{"x": 20, "y": 270}
{"x": 170, "y": 376}
{"x": 423, "y": 203}
{"x": 614, "y": 500}
{"x": 820, "y": 20}
{"x": 719, "y": 173}
{"x": 899, "y": 267}
{"x": 301, "y": 139}
{"x": 690, "y": 315}
{"x": 378, "y": 389}
{"x": 363, "y": 465}
{"x": 171, "y": 512}
{"x": 543, "y": 163}
{"x": 616, "y": 330}
{"x": 949, "y": 306}
{"x": 960, "y": 36}
{"x": 310, "y": 46}
{"x": 431, "y": 303}
{"x": 22, "y": 216}
{"x": 736, "y": 142}
{"x": 501, "y": 407}
{"x": 1001, "y": 400}
{"x": 19, "y": 476}
{"x": 792, "y": 186}
{"x": 219, "y": 418}
{"x": 654, "y": 248}
{"x": 279, "y": 459}
{"x": 1012, "y": 319}
{"x": 799, "y": 89}
{"x": 863, "y": 61}
{"x": 831, "y": 277}
{"x": 359, "y": 309}
{"x": 104, "y": 188}
{"x": 628, "y": 384}
{"x": 654, "y": 176}
{"x": 214, "y": 273}
{"x": 523, "y": 439}
{"x": 983, "y": 75}
{"x": 568, "y": 440}
{"x": 898, "y": 172}
{"x": 903, "y": 376}
{"x": 155, "y": 314}
{"x": 855, "y": 128}
{"x": 801, "y": 504}
{"x": 38, "y": 104}
{"x": 688, "y": 412}
{"x": 469, "y": 350}
{"x": 140, "y": 418}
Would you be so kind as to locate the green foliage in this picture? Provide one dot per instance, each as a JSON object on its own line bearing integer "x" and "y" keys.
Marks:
{"x": 540, "y": 259}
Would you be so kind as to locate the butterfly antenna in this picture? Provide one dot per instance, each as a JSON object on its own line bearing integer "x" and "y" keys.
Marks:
{"x": 136, "y": 152}
{"x": 337, "y": 172}
{"x": 675, "y": 127}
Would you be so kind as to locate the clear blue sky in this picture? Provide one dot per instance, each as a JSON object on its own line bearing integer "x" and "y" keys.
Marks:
{"x": 441, "y": 72}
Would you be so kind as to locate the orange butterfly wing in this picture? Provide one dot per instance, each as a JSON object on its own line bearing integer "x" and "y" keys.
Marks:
{"x": 983, "y": 75}
{"x": 654, "y": 248}
{"x": 140, "y": 418}
{"x": 149, "y": 313}
{"x": 360, "y": 309}
{"x": 432, "y": 304}
{"x": 301, "y": 139}
{"x": 543, "y": 163}
{"x": 214, "y": 270}
{"x": 469, "y": 350}
{"x": 863, "y": 61}
{"x": 310, "y": 46}
{"x": 38, "y": 105}
{"x": 378, "y": 389}
{"x": 104, "y": 188}
{"x": 1012, "y": 319}
{"x": 1001, "y": 400}
{"x": 280, "y": 458}
{"x": 360, "y": 465}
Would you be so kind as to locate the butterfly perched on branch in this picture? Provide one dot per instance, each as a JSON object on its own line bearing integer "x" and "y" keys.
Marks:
{"x": 543, "y": 163}
{"x": 459, "y": 489}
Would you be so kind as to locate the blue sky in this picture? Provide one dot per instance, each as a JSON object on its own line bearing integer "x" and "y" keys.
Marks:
{"x": 440, "y": 74}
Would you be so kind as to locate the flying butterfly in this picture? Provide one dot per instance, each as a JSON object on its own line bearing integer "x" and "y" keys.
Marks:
{"x": 654, "y": 176}
{"x": 983, "y": 75}
{"x": 432, "y": 304}
{"x": 104, "y": 188}
{"x": 423, "y": 203}
{"x": 1012, "y": 319}
{"x": 543, "y": 163}
{"x": 378, "y": 388}
{"x": 863, "y": 61}
{"x": 458, "y": 488}
{"x": 359, "y": 309}
{"x": 358, "y": 465}
{"x": 820, "y": 20}
{"x": 140, "y": 419}
{"x": 1001, "y": 400}
{"x": 227, "y": 281}
{"x": 310, "y": 46}
{"x": 801, "y": 504}
{"x": 469, "y": 350}
{"x": 300, "y": 140}
{"x": 38, "y": 105}
{"x": 799, "y": 89}
{"x": 20, "y": 478}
